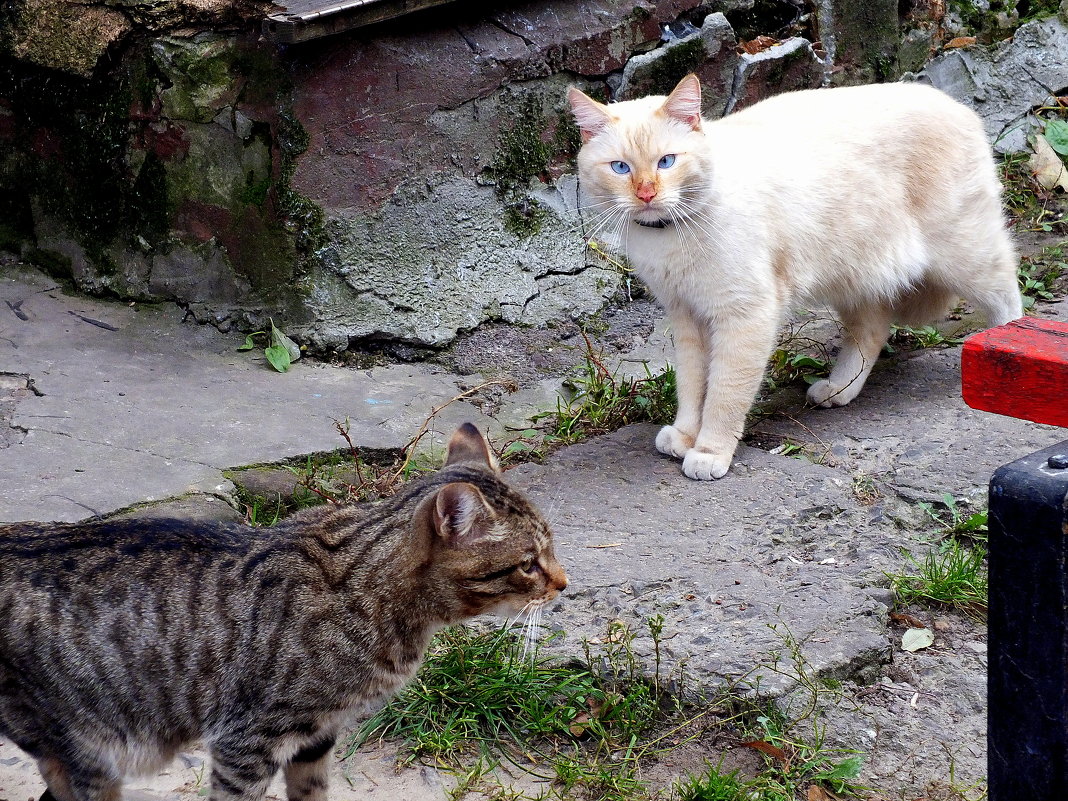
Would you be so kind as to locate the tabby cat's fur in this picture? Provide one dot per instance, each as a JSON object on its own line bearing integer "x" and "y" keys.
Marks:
{"x": 879, "y": 201}
{"x": 122, "y": 641}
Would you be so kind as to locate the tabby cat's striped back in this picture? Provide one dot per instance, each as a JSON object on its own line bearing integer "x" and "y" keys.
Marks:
{"x": 121, "y": 641}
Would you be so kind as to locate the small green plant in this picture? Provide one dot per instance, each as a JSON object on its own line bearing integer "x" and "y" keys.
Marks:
{"x": 603, "y": 402}
{"x": 903, "y": 337}
{"x": 953, "y": 575}
{"x": 957, "y": 520}
{"x": 787, "y": 367}
{"x": 260, "y": 512}
{"x": 1029, "y": 206}
{"x": 1038, "y": 274}
{"x": 713, "y": 785}
{"x": 279, "y": 350}
{"x": 479, "y": 687}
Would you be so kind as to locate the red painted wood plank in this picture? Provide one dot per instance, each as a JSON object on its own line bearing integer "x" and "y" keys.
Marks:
{"x": 1019, "y": 369}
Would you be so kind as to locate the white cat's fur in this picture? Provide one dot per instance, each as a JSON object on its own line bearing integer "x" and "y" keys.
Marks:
{"x": 880, "y": 201}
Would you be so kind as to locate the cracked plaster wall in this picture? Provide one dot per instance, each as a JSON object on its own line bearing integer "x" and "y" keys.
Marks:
{"x": 405, "y": 182}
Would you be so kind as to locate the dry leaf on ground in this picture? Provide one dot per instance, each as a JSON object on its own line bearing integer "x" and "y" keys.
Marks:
{"x": 758, "y": 45}
{"x": 960, "y": 41}
{"x": 911, "y": 620}
{"x": 915, "y": 639}
{"x": 1047, "y": 166}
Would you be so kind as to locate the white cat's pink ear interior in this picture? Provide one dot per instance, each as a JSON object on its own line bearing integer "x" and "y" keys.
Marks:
{"x": 590, "y": 116}
{"x": 684, "y": 102}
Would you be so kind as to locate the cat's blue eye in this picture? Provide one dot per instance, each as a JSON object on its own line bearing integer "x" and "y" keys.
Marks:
{"x": 666, "y": 161}
{"x": 620, "y": 167}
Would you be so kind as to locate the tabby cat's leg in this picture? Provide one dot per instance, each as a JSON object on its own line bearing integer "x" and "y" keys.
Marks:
{"x": 55, "y": 776}
{"x": 91, "y": 784}
{"x": 738, "y": 355}
{"x": 240, "y": 772}
{"x": 307, "y": 775}
{"x": 866, "y": 330}
{"x": 691, "y": 372}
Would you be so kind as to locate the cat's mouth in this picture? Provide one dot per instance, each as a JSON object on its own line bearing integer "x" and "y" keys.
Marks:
{"x": 652, "y": 223}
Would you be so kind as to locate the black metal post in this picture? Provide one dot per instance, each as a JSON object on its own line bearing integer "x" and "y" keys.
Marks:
{"x": 1027, "y": 724}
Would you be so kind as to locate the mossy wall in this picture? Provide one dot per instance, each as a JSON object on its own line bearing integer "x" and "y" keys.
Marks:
{"x": 162, "y": 178}
{"x": 404, "y": 182}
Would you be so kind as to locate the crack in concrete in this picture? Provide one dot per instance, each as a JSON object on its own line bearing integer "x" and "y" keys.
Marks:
{"x": 496, "y": 22}
{"x": 142, "y": 451}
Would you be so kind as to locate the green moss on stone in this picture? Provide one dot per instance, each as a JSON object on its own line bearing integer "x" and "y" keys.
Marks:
{"x": 522, "y": 154}
{"x": 676, "y": 62}
{"x": 52, "y": 262}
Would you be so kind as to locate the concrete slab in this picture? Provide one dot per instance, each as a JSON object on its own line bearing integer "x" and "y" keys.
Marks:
{"x": 104, "y": 406}
{"x": 129, "y": 404}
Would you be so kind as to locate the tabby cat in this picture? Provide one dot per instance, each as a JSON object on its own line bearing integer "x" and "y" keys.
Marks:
{"x": 880, "y": 201}
{"x": 122, "y": 641}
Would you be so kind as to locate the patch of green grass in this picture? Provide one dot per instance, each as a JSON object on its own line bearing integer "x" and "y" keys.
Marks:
{"x": 588, "y": 727}
{"x": 603, "y": 401}
{"x": 1029, "y": 206}
{"x": 1039, "y": 273}
{"x": 953, "y": 574}
{"x": 713, "y": 785}
{"x": 477, "y": 688}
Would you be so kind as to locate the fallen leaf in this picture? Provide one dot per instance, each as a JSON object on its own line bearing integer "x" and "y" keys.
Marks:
{"x": 772, "y": 751}
{"x": 1056, "y": 134}
{"x": 758, "y": 45}
{"x": 1047, "y": 166}
{"x": 817, "y": 793}
{"x": 960, "y": 41}
{"x": 902, "y": 617}
{"x": 579, "y": 725}
{"x": 915, "y": 639}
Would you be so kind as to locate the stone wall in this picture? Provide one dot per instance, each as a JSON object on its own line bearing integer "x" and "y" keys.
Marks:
{"x": 402, "y": 182}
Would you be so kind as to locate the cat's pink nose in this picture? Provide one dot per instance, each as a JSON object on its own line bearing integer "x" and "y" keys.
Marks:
{"x": 645, "y": 191}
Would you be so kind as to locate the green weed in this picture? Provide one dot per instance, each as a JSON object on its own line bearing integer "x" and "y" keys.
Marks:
{"x": 953, "y": 575}
{"x": 903, "y": 337}
{"x": 956, "y": 520}
{"x": 788, "y": 367}
{"x": 713, "y": 785}
{"x": 279, "y": 350}
{"x": 1029, "y": 206}
{"x": 1038, "y": 274}
{"x": 602, "y": 402}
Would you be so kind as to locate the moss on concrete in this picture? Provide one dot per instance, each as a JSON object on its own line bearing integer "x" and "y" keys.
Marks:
{"x": 525, "y": 151}
{"x": 677, "y": 61}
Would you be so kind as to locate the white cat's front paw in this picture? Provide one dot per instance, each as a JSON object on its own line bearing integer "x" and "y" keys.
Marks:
{"x": 705, "y": 466}
{"x": 672, "y": 442}
{"x": 825, "y": 394}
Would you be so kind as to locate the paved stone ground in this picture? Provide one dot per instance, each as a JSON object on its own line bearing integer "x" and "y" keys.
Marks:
{"x": 106, "y": 406}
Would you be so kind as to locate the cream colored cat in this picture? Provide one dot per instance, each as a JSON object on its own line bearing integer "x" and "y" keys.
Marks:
{"x": 880, "y": 201}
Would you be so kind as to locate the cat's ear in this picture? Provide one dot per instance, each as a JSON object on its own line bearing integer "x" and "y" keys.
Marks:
{"x": 590, "y": 116}
{"x": 684, "y": 102}
{"x": 468, "y": 446}
{"x": 461, "y": 513}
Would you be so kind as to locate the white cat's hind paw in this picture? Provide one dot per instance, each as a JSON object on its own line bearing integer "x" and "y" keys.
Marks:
{"x": 825, "y": 394}
{"x": 672, "y": 442}
{"x": 705, "y": 466}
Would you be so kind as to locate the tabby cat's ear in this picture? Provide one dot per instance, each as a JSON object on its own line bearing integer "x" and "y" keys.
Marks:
{"x": 469, "y": 446}
{"x": 461, "y": 513}
{"x": 590, "y": 116}
{"x": 684, "y": 102}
